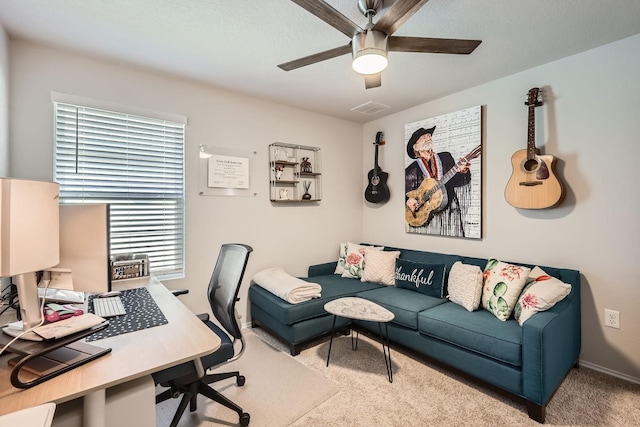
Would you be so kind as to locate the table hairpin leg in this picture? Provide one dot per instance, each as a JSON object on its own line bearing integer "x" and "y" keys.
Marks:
{"x": 386, "y": 350}
{"x": 354, "y": 342}
{"x": 333, "y": 331}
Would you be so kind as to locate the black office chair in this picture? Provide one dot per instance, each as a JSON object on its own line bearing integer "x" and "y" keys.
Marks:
{"x": 223, "y": 295}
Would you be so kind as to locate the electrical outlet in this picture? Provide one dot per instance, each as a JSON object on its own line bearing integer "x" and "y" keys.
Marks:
{"x": 612, "y": 318}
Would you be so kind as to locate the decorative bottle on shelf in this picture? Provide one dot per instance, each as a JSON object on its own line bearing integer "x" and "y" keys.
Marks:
{"x": 306, "y": 195}
{"x": 305, "y": 166}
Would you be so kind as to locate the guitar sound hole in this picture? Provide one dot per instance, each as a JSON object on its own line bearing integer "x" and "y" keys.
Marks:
{"x": 530, "y": 165}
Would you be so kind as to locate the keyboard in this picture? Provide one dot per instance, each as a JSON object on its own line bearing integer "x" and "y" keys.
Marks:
{"x": 108, "y": 307}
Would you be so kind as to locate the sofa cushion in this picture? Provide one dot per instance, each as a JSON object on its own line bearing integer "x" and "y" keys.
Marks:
{"x": 541, "y": 293}
{"x": 354, "y": 260}
{"x": 503, "y": 284}
{"x": 465, "y": 285}
{"x": 428, "y": 257}
{"x": 403, "y": 303}
{"x": 333, "y": 286}
{"x": 342, "y": 258}
{"x": 425, "y": 256}
{"x": 379, "y": 266}
{"x": 427, "y": 279}
{"x": 479, "y": 332}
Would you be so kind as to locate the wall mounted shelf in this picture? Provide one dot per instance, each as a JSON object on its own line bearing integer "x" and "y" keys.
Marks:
{"x": 295, "y": 173}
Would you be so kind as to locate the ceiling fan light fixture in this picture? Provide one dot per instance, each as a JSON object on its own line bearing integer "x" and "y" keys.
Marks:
{"x": 369, "y": 52}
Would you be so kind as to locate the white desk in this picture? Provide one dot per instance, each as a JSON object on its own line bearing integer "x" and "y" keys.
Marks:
{"x": 133, "y": 356}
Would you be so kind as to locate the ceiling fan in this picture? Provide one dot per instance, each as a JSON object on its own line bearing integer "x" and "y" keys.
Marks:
{"x": 370, "y": 46}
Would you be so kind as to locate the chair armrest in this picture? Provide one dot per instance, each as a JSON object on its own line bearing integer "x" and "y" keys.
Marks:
{"x": 177, "y": 292}
{"x": 204, "y": 317}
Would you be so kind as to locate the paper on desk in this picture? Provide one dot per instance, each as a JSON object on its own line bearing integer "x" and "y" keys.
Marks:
{"x": 15, "y": 325}
{"x": 68, "y": 326}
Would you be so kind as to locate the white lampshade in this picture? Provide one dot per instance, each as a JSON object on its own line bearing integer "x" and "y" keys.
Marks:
{"x": 369, "y": 52}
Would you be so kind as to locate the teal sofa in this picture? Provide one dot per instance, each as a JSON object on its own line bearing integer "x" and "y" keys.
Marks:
{"x": 528, "y": 362}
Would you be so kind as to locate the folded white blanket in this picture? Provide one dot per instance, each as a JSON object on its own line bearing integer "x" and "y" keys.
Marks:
{"x": 289, "y": 288}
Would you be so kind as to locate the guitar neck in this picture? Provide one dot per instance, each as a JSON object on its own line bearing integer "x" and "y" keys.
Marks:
{"x": 531, "y": 133}
{"x": 379, "y": 141}
{"x": 375, "y": 162}
{"x": 532, "y": 102}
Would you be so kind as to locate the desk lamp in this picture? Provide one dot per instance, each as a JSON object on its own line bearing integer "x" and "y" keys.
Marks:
{"x": 29, "y": 241}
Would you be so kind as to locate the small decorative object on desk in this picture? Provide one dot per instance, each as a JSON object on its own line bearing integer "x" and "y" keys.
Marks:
{"x": 305, "y": 166}
{"x": 306, "y": 195}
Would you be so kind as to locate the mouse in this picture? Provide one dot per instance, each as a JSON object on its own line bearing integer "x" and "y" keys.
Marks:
{"x": 109, "y": 294}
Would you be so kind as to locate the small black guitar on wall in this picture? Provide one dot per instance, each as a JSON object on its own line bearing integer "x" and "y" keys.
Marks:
{"x": 377, "y": 190}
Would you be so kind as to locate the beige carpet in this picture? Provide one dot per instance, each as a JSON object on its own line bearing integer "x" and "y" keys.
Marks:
{"x": 278, "y": 390}
{"x": 424, "y": 395}
{"x": 285, "y": 391}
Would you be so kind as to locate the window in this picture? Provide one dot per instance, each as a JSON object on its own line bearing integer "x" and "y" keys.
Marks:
{"x": 134, "y": 163}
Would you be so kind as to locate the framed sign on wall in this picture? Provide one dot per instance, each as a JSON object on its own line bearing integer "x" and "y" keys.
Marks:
{"x": 226, "y": 171}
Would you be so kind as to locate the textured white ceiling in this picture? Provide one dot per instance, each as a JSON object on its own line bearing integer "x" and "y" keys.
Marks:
{"x": 237, "y": 44}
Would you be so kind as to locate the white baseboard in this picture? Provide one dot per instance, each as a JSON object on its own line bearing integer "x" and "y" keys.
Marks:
{"x": 608, "y": 371}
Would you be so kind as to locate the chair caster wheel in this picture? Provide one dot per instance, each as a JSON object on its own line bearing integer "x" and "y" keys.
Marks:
{"x": 240, "y": 382}
{"x": 244, "y": 419}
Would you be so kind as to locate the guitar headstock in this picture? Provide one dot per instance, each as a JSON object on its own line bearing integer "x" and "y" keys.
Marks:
{"x": 535, "y": 97}
{"x": 379, "y": 139}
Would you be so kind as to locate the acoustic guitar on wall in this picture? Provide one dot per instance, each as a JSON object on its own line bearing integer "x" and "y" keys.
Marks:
{"x": 533, "y": 183}
{"x": 377, "y": 190}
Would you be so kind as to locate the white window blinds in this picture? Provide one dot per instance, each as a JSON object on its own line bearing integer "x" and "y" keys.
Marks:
{"x": 134, "y": 163}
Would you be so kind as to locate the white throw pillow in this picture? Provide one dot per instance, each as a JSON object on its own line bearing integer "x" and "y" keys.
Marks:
{"x": 503, "y": 285}
{"x": 465, "y": 285}
{"x": 379, "y": 266}
{"x": 354, "y": 261}
{"x": 541, "y": 293}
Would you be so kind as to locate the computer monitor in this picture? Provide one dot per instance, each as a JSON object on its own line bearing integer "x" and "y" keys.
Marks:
{"x": 84, "y": 249}
{"x": 29, "y": 239}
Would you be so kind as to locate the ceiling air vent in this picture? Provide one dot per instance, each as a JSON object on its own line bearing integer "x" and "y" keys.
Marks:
{"x": 370, "y": 108}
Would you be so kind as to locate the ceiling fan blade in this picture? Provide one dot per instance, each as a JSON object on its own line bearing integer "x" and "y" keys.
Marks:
{"x": 316, "y": 57}
{"x": 430, "y": 45}
{"x": 397, "y": 15}
{"x": 330, "y": 15}
{"x": 372, "y": 80}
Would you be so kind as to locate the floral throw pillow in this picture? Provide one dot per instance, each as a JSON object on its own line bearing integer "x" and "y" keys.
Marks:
{"x": 354, "y": 260}
{"x": 342, "y": 259}
{"x": 503, "y": 284}
{"x": 541, "y": 293}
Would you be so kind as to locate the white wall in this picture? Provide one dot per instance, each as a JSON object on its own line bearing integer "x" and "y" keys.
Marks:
{"x": 291, "y": 236}
{"x": 590, "y": 122}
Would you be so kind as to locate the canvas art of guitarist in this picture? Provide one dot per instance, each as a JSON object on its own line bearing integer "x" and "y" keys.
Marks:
{"x": 429, "y": 184}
